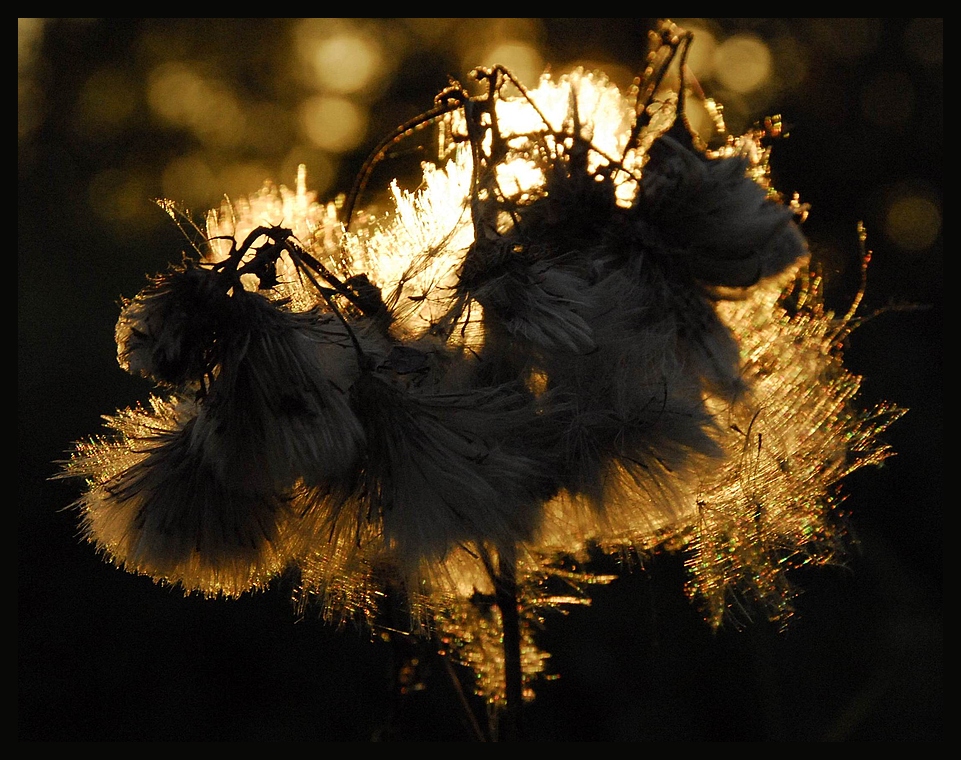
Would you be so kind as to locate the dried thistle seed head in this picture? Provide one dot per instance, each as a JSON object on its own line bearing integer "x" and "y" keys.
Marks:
{"x": 158, "y": 502}
{"x": 178, "y": 330}
{"x": 280, "y": 399}
{"x": 440, "y": 472}
{"x": 530, "y": 355}
{"x": 168, "y": 331}
{"x": 711, "y": 215}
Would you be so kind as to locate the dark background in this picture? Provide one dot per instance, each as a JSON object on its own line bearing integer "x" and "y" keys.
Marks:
{"x": 106, "y": 656}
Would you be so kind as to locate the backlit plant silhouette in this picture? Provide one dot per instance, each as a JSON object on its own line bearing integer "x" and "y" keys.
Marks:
{"x": 587, "y": 331}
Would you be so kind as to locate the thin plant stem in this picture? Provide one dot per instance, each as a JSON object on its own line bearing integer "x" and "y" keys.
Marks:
{"x": 462, "y": 699}
{"x": 505, "y": 584}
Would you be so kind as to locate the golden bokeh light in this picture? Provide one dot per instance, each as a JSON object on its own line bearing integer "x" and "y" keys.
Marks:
{"x": 742, "y": 63}
{"x": 29, "y": 36}
{"x": 512, "y": 42}
{"x": 29, "y": 92}
{"x": 340, "y": 59}
{"x": 702, "y": 117}
{"x": 701, "y": 54}
{"x": 912, "y": 219}
{"x": 238, "y": 179}
{"x": 185, "y": 97}
{"x": 522, "y": 58}
{"x": 333, "y": 123}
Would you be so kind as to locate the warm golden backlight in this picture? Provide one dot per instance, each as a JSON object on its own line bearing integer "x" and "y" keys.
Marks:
{"x": 742, "y": 63}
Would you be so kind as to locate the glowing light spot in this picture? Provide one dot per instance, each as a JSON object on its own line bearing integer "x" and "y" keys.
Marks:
{"x": 193, "y": 182}
{"x": 519, "y": 178}
{"x": 29, "y": 36}
{"x": 345, "y": 63}
{"x": 702, "y": 54}
{"x": 522, "y": 58}
{"x": 335, "y": 124}
{"x": 743, "y": 63}
{"x": 185, "y": 97}
{"x": 29, "y": 92}
{"x": 512, "y": 42}
{"x": 912, "y": 220}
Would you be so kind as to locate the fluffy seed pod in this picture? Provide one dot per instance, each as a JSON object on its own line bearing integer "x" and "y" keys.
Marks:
{"x": 159, "y": 502}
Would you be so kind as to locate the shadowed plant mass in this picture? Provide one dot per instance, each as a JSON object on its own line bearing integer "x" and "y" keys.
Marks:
{"x": 592, "y": 329}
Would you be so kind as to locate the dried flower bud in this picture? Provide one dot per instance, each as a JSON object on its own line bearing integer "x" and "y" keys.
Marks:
{"x": 160, "y": 503}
